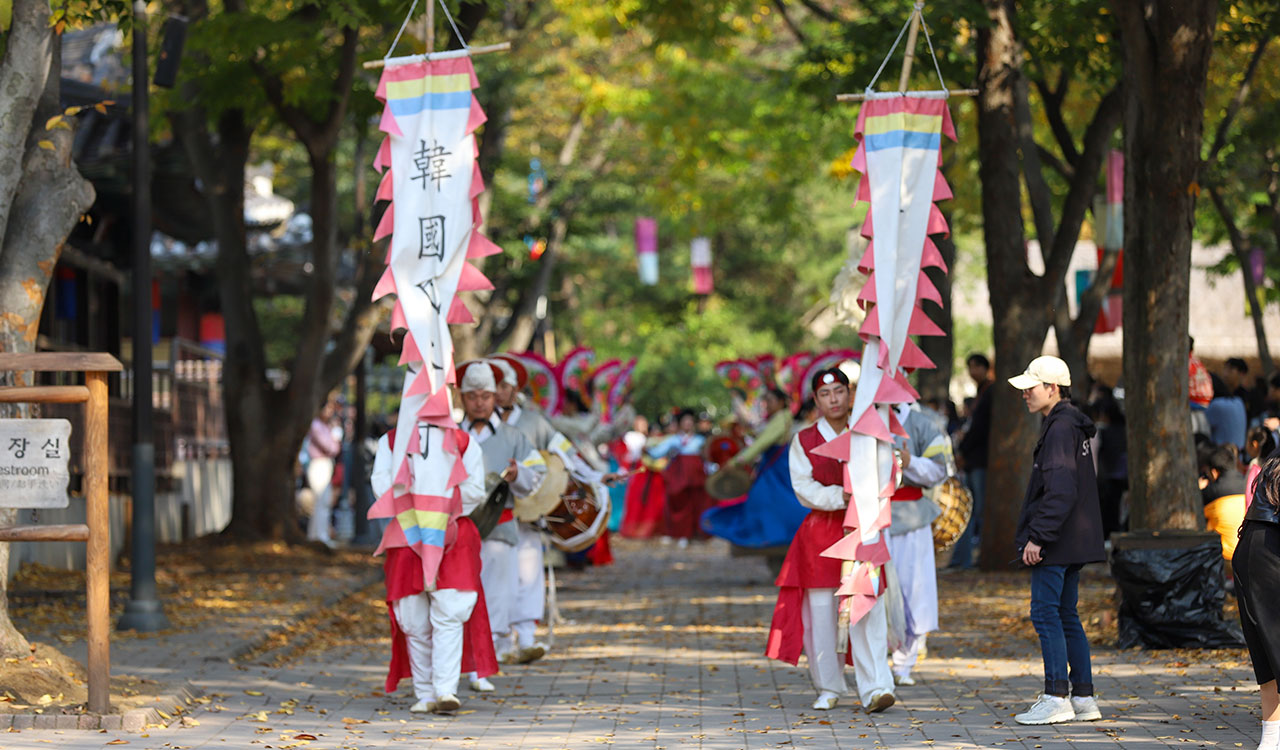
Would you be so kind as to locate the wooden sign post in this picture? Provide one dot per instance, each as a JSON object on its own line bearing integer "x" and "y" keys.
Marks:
{"x": 96, "y": 531}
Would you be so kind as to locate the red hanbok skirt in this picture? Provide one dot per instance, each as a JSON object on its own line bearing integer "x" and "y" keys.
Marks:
{"x": 646, "y": 505}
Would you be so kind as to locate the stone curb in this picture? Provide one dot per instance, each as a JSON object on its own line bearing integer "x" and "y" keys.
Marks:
{"x": 168, "y": 709}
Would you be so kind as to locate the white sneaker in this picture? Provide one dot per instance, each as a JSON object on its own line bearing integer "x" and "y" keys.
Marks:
{"x": 682, "y": 543}
{"x": 1086, "y": 708}
{"x": 879, "y": 701}
{"x": 826, "y": 701}
{"x": 481, "y": 685}
{"x": 1049, "y": 709}
{"x": 904, "y": 679}
{"x": 531, "y": 653}
{"x": 447, "y": 705}
{"x": 423, "y": 706}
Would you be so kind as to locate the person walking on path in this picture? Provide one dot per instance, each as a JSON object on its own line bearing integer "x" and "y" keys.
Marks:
{"x": 437, "y": 630}
{"x": 1059, "y": 532}
{"x": 508, "y": 456}
{"x": 323, "y": 447}
{"x": 686, "y": 480}
{"x": 805, "y": 616}
{"x": 1257, "y": 569}
{"x": 973, "y": 459}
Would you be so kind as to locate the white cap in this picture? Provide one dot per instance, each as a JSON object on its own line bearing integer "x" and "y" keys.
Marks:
{"x": 508, "y": 372}
{"x": 478, "y": 376}
{"x": 1042, "y": 370}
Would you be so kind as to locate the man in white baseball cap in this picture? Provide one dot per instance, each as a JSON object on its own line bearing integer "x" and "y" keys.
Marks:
{"x": 1059, "y": 532}
{"x": 1046, "y": 370}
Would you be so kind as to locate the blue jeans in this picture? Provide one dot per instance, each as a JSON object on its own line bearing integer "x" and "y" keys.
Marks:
{"x": 962, "y": 554}
{"x": 1054, "y": 591}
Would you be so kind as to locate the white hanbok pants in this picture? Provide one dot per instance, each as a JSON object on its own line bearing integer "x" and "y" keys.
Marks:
{"x": 498, "y": 574}
{"x": 913, "y": 558}
{"x": 867, "y": 639}
{"x": 530, "y": 603}
{"x": 320, "y": 480}
{"x": 432, "y": 623}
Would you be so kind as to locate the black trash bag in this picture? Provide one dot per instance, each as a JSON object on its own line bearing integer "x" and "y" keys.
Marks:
{"x": 486, "y": 514}
{"x": 1171, "y": 595}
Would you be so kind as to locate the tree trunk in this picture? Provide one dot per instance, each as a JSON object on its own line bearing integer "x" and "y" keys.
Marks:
{"x": 1167, "y": 46}
{"x": 1020, "y": 319}
{"x": 936, "y": 383}
{"x": 42, "y": 196}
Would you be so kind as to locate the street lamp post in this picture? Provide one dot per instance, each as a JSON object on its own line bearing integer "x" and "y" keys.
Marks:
{"x": 143, "y": 612}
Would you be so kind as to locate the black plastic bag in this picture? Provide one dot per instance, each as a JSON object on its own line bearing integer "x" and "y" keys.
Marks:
{"x": 1171, "y": 592}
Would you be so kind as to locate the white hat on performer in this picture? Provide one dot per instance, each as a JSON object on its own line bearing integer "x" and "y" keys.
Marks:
{"x": 1045, "y": 369}
{"x": 472, "y": 378}
{"x": 508, "y": 372}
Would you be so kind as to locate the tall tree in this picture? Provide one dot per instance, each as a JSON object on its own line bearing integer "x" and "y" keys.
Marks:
{"x": 42, "y": 196}
{"x": 1025, "y": 305}
{"x": 300, "y": 74}
{"x": 1167, "y": 45}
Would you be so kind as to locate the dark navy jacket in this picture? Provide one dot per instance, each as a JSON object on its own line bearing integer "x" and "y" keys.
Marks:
{"x": 1060, "y": 511}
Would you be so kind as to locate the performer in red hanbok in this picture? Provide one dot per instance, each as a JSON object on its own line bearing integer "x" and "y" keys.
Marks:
{"x": 439, "y": 633}
{"x": 686, "y": 478}
{"x": 805, "y": 617}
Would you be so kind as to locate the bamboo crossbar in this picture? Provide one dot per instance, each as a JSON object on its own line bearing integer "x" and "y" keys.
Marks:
{"x": 44, "y": 394}
{"x": 446, "y": 55}
{"x": 71, "y": 532}
{"x": 863, "y": 95}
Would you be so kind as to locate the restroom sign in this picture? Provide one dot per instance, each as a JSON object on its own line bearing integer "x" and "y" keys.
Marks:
{"x": 34, "y": 460}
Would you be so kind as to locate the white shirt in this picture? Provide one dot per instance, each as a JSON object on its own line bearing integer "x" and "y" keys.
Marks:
{"x": 810, "y": 492}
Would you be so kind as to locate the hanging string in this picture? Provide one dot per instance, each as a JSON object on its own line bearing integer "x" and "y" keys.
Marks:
{"x": 936, "y": 67}
{"x": 918, "y": 9}
{"x": 876, "y": 77}
{"x": 404, "y": 25}
{"x": 449, "y": 16}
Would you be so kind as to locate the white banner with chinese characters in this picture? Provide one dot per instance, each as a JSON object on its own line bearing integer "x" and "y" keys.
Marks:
{"x": 433, "y": 183}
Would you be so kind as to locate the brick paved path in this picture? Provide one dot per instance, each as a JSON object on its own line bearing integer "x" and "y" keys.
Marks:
{"x": 663, "y": 651}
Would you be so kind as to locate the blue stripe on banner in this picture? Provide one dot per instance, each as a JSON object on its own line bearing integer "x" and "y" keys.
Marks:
{"x": 904, "y": 139}
{"x": 418, "y": 535}
{"x": 454, "y": 100}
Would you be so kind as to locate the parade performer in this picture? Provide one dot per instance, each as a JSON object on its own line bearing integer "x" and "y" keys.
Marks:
{"x": 771, "y": 514}
{"x": 530, "y": 602}
{"x": 686, "y": 479}
{"x": 805, "y": 617}
{"x": 923, "y": 454}
{"x": 507, "y": 454}
{"x": 646, "y": 495}
{"x": 439, "y": 631}
{"x": 1059, "y": 532}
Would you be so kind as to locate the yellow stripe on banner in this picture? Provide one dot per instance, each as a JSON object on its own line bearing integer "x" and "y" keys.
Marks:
{"x": 423, "y": 519}
{"x": 534, "y": 459}
{"x": 902, "y": 121}
{"x": 430, "y": 84}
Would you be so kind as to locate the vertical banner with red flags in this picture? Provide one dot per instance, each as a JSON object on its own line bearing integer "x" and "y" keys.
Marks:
{"x": 700, "y": 261}
{"x": 647, "y": 250}
{"x": 1110, "y": 239}
{"x": 432, "y": 181}
{"x": 900, "y": 137}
